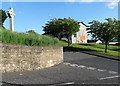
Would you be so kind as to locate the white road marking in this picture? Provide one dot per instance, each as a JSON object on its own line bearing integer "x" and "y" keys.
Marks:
{"x": 66, "y": 63}
{"x": 91, "y": 68}
{"x": 73, "y": 65}
{"x": 68, "y": 83}
{"x": 81, "y": 66}
{"x": 112, "y": 72}
{"x": 20, "y": 74}
{"x": 101, "y": 70}
{"x": 108, "y": 77}
{"x": 76, "y": 65}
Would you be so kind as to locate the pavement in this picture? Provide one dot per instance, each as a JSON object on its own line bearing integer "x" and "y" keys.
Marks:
{"x": 78, "y": 68}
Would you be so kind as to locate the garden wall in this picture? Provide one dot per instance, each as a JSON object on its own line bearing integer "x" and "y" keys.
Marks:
{"x": 19, "y": 58}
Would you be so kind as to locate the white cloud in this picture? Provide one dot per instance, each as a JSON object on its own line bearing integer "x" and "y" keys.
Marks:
{"x": 59, "y": 0}
{"x": 80, "y": 0}
{"x": 112, "y": 4}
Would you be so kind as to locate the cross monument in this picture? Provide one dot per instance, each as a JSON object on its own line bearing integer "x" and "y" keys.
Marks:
{"x": 11, "y": 15}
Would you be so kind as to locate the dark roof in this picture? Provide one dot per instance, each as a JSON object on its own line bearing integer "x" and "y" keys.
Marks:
{"x": 84, "y": 24}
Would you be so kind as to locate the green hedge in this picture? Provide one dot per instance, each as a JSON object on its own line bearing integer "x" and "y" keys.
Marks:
{"x": 9, "y": 37}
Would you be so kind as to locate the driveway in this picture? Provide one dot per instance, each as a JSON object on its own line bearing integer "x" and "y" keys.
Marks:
{"x": 77, "y": 68}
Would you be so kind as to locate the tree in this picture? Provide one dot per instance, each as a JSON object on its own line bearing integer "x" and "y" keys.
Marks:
{"x": 117, "y": 30}
{"x": 103, "y": 31}
{"x": 53, "y": 27}
{"x": 31, "y": 32}
{"x": 62, "y": 27}
{"x": 3, "y": 16}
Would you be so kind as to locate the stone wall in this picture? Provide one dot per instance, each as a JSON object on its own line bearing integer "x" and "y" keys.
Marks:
{"x": 20, "y": 58}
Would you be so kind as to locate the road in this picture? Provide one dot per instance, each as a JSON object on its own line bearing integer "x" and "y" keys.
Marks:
{"x": 77, "y": 68}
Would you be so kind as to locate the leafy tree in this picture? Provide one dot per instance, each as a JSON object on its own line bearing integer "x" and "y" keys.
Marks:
{"x": 61, "y": 27}
{"x": 31, "y": 32}
{"x": 3, "y": 16}
{"x": 54, "y": 27}
{"x": 103, "y": 31}
{"x": 117, "y": 30}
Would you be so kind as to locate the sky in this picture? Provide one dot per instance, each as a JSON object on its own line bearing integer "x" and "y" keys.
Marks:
{"x": 34, "y": 15}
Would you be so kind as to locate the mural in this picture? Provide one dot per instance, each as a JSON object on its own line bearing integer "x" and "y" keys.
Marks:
{"x": 83, "y": 36}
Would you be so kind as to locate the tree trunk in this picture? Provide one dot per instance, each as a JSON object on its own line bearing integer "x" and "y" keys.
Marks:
{"x": 68, "y": 40}
{"x": 118, "y": 39}
{"x": 106, "y": 43}
{"x": 58, "y": 36}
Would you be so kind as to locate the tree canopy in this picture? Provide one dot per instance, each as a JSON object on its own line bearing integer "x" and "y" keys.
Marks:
{"x": 3, "y": 16}
{"x": 104, "y": 31}
{"x": 117, "y": 30}
{"x": 61, "y": 27}
{"x": 31, "y": 32}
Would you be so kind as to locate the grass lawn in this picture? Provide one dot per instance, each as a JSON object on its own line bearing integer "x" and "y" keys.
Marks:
{"x": 99, "y": 48}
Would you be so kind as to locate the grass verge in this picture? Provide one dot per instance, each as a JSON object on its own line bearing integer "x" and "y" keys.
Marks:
{"x": 98, "y": 48}
{"x": 8, "y": 37}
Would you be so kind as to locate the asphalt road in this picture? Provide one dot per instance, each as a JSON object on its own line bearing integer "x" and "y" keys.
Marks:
{"x": 77, "y": 68}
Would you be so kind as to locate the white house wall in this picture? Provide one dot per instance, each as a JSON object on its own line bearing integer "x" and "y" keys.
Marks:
{"x": 81, "y": 35}
{"x": 73, "y": 39}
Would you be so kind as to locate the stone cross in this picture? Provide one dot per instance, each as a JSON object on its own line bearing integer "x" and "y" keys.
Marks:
{"x": 11, "y": 15}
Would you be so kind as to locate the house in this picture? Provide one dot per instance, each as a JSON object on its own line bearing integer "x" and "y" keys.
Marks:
{"x": 98, "y": 42}
{"x": 81, "y": 35}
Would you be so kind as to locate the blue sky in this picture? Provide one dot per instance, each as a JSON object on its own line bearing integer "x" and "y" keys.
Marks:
{"x": 34, "y": 15}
